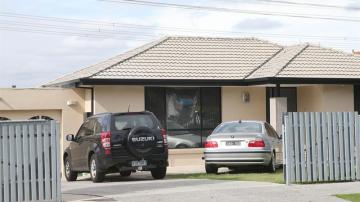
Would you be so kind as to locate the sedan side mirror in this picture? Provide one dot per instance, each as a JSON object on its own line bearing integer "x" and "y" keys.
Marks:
{"x": 70, "y": 137}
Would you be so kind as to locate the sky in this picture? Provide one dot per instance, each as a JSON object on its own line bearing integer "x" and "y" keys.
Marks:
{"x": 41, "y": 40}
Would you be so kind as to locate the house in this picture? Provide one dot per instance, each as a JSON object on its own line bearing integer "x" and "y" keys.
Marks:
{"x": 194, "y": 83}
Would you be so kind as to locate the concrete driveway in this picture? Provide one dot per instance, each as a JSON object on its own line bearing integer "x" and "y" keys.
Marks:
{"x": 141, "y": 187}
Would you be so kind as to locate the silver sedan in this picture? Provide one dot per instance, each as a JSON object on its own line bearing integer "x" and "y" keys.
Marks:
{"x": 241, "y": 143}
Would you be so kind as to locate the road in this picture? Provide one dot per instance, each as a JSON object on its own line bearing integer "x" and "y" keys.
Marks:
{"x": 141, "y": 188}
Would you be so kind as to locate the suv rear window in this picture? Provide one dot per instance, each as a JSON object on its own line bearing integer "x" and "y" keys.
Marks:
{"x": 236, "y": 127}
{"x": 128, "y": 121}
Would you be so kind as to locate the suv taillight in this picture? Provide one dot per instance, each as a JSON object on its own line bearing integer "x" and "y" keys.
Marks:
{"x": 164, "y": 135}
{"x": 211, "y": 144}
{"x": 105, "y": 142}
{"x": 256, "y": 143}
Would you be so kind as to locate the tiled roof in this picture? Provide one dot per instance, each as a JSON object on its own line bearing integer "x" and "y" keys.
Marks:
{"x": 195, "y": 58}
{"x": 318, "y": 62}
{"x": 204, "y": 58}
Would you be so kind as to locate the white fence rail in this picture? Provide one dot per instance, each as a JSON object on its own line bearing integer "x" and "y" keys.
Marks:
{"x": 321, "y": 146}
{"x": 30, "y": 166}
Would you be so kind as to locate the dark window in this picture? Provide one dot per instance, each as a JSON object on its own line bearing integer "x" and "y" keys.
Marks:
{"x": 357, "y": 98}
{"x": 3, "y": 118}
{"x": 183, "y": 108}
{"x": 155, "y": 102}
{"x": 289, "y": 92}
{"x": 211, "y": 110}
{"x": 41, "y": 117}
{"x": 189, "y": 114}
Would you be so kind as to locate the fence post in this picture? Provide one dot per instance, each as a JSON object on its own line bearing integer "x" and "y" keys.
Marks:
{"x": 308, "y": 147}
{"x": 286, "y": 149}
{"x": 330, "y": 145}
{"x": 357, "y": 129}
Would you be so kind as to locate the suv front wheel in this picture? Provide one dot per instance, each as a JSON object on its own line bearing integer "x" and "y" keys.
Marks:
{"x": 69, "y": 174}
{"x": 158, "y": 173}
{"x": 95, "y": 174}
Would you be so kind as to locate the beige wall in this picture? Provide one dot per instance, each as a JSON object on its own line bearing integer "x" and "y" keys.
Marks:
{"x": 25, "y": 103}
{"x": 27, "y": 114}
{"x": 118, "y": 98}
{"x": 325, "y": 98}
{"x": 233, "y": 107}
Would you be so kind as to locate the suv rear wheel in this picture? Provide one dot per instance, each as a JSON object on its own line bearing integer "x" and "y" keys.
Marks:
{"x": 95, "y": 174}
{"x": 69, "y": 174}
{"x": 125, "y": 173}
{"x": 158, "y": 173}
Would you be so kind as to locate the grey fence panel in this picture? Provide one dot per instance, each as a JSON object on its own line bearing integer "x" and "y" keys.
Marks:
{"x": 352, "y": 144}
{"x": 341, "y": 146}
{"x": 313, "y": 147}
{"x": 47, "y": 163}
{"x": 1, "y": 167}
{"x": 290, "y": 161}
{"x": 33, "y": 162}
{"x": 19, "y": 163}
{"x": 12, "y": 159}
{"x": 346, "y": 146}
{"x": 325, "y": 148}
{"x": 308, "y": 147}
{"x": 335, "y": 146}
{"x": 30, "y": 164}
{"x": 330, "y": 145}
{"x": 319, "y": 150}
{"x": 5, "y": 153}
{"x": 322, "y": 146}
{"x": 357, "y": 146}
{"x": 26, "y": 156}
{"x": 302, "y": 149}
{"x": 58, "y": 166}
{"x": 297, "y": 147}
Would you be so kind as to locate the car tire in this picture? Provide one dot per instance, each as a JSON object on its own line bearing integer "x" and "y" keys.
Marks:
{"x": 272, "y": 165}
{"x": 158, "y": 173}
{"x": 70, "y": 175}
{"x": 211, "y": 169}
{"x": 181, "y": 146}
{"x": 125, "y": 173}
{"x": 95, "y": 174}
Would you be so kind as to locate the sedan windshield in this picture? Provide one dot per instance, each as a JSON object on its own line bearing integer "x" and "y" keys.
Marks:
{"x": 239, "y": 127}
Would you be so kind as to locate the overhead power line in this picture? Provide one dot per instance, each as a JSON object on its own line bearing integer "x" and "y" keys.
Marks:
{"x": 297, "y": 3}
{"x": 233, "y": 10}
{"x": 40, "y": 20}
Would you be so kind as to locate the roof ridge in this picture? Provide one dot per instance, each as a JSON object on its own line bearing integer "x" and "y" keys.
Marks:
{"x": 224, "y": 37}
{"x": 262, "y": 64}
{"x": 291, "y": 59}
{"x": 143, "y": 49}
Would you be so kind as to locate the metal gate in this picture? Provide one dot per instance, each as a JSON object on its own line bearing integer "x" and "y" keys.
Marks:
{"x": 320, "y": 147}
{"x": 30, "y": 165}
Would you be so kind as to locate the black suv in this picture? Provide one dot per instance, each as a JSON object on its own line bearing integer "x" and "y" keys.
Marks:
{"x": 117, "y": 142}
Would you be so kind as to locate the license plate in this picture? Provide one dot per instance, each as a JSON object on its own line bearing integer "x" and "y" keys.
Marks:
{"x": 232, "y": 143}
{"x": 138, "y": 163}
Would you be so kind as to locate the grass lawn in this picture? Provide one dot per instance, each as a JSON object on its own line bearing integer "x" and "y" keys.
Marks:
{"x": 249, "y": 175}
{"x": 349, "y": 197}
